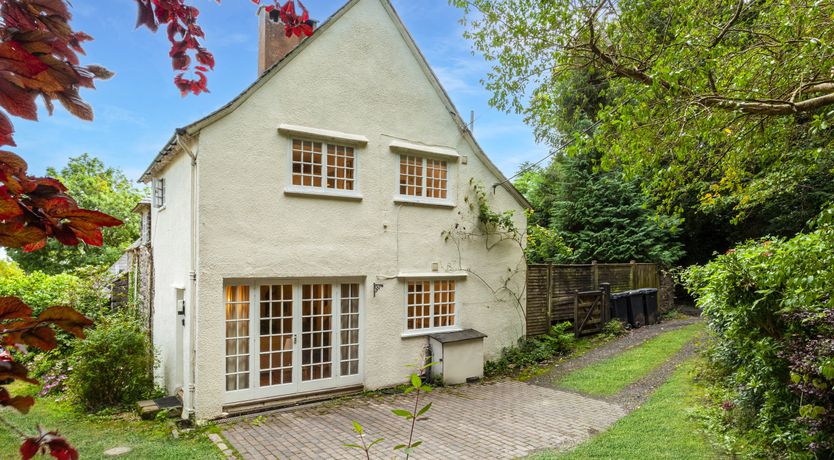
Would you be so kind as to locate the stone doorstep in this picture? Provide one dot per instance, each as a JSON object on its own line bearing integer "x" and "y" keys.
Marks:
{"x": 149, "y": 409}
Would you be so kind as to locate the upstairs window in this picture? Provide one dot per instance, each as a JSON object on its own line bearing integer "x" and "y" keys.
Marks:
{"x": 423, "y": 177}
{"x": 323, "y": 165}
{"x": 159, "y": 192}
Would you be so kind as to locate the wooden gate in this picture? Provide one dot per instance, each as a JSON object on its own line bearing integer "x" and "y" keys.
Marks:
{"x": 590, "y": 310}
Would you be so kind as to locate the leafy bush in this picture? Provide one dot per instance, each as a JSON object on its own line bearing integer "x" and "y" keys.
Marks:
{"x": 533, "y": 350}
{"x": 614, "y": 328}
{"x": 83, "y": 290}
{"x": 113, "y": 367}
{"x": 769, "y": 307}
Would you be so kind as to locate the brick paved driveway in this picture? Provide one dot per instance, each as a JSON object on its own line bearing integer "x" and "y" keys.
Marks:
{"x": 507, "y": 419}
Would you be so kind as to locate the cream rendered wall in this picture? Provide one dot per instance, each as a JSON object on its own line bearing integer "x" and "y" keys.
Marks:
{"x": 358, "y": 77}
{"x": 171, "y": 259}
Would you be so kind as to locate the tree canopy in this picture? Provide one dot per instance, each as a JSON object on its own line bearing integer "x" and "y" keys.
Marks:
{"x": 94, "y": 186}
{"x": 729, "y": 102}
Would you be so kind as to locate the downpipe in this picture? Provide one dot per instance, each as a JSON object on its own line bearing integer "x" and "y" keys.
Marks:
{"x": 188, "y": 412}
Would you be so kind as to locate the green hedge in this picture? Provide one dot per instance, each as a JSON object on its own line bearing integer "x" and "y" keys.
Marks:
{"x": 770, "y": 309}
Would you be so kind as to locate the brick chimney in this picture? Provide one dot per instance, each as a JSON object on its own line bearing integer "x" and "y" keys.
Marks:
{"x": 273, "y": 44}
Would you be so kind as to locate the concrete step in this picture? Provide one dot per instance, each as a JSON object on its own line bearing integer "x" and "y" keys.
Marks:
{"x": 170, "y": 405}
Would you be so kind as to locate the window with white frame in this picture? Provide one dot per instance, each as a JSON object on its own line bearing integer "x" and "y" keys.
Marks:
{"x": 159, "y": 192}
{"x": 323, "y": 165}
{"x": 423, "y": 177}
{"x": 430, "y": 304}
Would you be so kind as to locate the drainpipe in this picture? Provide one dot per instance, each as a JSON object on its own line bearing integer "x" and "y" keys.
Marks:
{"x": 183, "y": 139}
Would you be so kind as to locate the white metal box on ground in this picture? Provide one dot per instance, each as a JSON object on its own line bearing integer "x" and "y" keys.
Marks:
{"x": 459, "y": 356}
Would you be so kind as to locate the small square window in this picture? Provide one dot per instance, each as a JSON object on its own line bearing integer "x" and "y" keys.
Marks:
{"x": 159, "y": 192}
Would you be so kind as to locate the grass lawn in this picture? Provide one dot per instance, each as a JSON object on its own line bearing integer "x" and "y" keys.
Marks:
{"x": 660, "y": 429}
{"x": 611, "y": 375}
{"x": 92, "y": 435}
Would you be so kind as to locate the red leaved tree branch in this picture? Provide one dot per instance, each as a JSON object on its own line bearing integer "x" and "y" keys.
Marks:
{"x": 39, "y": 58}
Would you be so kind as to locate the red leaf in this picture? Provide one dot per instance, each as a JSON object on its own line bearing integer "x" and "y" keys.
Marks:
{"x": 100, "y": 72}
{"x": 146, "y": 15}
{"x": 35, "y": 246}
{"x": 21, "y": 403}
{"x": 8, "y": 205}
{"x": 10, "y": 370}
{"x": 10, "y": 160}
{"x": 13, "y": 234}
{"x": 67, "y": 319}
{"x": 97, "y": 218}
{"x": 29, "y": 448}
{"x": 205, "y": 58}
{"x": 17, "y": 101}
{"x": 6, "y": 131}
{"x": 13, "y": 308}
{"x": 42, "y": 337}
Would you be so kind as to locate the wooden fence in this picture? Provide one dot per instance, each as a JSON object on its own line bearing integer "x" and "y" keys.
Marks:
{"x": 551, "y": 289}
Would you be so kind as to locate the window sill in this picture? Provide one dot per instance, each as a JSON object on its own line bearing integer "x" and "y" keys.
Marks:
{"x": 433, "y": 275}
{"x": 160, "y": 208}
{"x": 322, "y": 193}
{"x": 424, "y": 202}
{"x": 426, "y": 332}
{"x": 323, "y": 135}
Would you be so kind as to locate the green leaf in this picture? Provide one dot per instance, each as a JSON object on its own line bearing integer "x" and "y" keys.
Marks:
{"x": 357, "y": 427}
{"x": 352, "y": 446}
{"x": 424, "y": 409}
{"x": 416, "y": 444}
{"x": 402, "y": 413}
{"x": 415, "y": 381}
{"x": 375, "y": 442}
{"x": 399, "y": 446}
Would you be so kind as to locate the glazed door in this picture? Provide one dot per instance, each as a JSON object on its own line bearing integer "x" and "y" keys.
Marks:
{"x": 306, "y": 336}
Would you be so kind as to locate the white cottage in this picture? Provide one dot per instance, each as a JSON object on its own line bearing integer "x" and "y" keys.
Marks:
{"x": 298, "y": 232}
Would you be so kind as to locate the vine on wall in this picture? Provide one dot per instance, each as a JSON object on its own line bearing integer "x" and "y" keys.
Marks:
{"x": 496, "y": 229}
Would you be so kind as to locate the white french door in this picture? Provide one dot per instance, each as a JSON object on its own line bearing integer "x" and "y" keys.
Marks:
{"x": 292, "y": 337}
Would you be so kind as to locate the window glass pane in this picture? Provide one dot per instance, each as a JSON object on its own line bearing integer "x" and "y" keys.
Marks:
{"x": 350, "y": 329}
{"x": 306, "y": 163}
{"x": 237, "y": 337}
{"x": 276, "y": 335}
{"x": 436, "y": 179}
{"x": 340, "y": 173}
{"x": 316, "y": 331}
{"x": 411, "y": 175}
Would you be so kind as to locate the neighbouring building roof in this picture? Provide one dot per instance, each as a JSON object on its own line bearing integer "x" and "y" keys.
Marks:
{"x": 142, "y": 205}
{"x": 170, "y": 150}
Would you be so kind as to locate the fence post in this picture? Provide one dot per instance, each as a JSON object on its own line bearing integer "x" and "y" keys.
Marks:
{"x": 606, "y": 296}
{"x": 594, "y": 275}
{"x": 549, "y": 298}
{"x": 631, "y": 274}
{"x": 576, "y": 314}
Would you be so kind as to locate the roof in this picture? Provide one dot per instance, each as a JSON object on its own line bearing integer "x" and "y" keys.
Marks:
{"x": 457, "y": 336}
{"x": 142, "y": 204}
{"x": 170, "y": 149}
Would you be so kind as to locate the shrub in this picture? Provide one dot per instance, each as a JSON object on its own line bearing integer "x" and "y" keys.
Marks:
{"x": 113, "y": 367}
{"x": 770, "y": 311}
{"x": 82, "y": 290}
{"x": 613, "y": 329}
{"x": 533, "y": 350}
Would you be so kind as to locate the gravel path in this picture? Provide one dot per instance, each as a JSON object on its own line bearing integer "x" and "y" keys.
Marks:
{"x": 635, "y": 394}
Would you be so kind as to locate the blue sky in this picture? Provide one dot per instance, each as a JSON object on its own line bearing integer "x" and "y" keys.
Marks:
{"x": 139, "y": 108}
